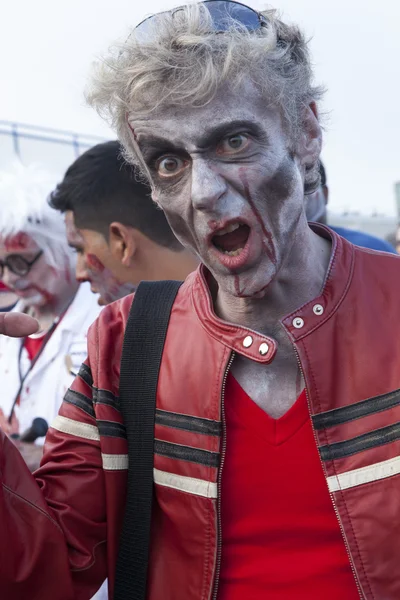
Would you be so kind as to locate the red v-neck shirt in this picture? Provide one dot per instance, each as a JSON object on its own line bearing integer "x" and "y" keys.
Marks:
{"x": 280, "y": 536}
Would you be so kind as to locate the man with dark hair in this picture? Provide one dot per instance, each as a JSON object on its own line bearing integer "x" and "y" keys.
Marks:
{"x": 121, "y": 237}
{"x": 316, "y": 212}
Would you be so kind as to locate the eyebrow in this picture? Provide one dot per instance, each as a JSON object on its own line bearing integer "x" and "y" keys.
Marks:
{"x": 153, "y": 145}
{"x": 223, "y": 129}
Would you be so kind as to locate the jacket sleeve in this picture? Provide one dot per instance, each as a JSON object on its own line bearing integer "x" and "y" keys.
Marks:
{"x": 53, "y": 523}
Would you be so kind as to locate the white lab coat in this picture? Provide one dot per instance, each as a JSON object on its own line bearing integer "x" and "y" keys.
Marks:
{"x": 54, "y": 371}
{"x": 52, "y": 374}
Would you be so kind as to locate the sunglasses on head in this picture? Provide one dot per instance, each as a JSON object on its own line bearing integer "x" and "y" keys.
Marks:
{"x": 222, "y": 13}
{"x": 17, "y": 264}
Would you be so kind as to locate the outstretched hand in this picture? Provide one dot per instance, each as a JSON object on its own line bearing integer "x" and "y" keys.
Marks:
{"x": 16, "y": 324}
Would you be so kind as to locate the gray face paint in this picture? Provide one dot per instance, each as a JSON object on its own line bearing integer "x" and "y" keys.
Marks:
{"x": 226, "y": 166}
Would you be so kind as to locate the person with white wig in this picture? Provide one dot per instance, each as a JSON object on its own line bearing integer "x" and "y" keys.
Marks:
{"x": 38, "y": 266}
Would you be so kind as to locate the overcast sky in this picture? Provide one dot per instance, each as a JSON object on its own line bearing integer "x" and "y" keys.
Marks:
{"x": 47, "y": 47}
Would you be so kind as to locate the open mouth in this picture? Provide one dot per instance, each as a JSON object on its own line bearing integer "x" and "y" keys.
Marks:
{"x": 232, "y": 239}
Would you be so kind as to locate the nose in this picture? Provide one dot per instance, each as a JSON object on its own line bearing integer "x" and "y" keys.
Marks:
{"x": 81, "y": 272}
{"x": 207, "y": 185}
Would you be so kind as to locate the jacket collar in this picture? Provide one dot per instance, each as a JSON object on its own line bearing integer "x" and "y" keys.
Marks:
{"x": 298, "y": 324}
{"x": 313, "y": 314}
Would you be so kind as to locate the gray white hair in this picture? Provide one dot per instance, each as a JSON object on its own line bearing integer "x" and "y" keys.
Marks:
{"x": 24, "y": 209}
{"x": 179, "y": 60}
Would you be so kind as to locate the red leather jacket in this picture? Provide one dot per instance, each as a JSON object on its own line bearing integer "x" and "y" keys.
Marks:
{"x": 59, "y": 529}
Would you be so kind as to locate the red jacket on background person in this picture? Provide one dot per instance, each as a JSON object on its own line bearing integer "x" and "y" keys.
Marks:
{"x": 59, "y": 534}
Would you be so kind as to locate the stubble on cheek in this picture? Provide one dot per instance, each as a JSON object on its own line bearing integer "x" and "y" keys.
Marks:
{"x": 277, "y": 189}
{"x": 282, "y": 190}
{"x": 275, "y": 193}
{"x": 267, "y": 240}
{"x": 280, "y": 185}
{"x": 182, "y": 225}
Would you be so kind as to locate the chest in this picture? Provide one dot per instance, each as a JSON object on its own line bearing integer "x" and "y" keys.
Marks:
{"x": 276, "y": 457}
{"x": 274, "y": 387}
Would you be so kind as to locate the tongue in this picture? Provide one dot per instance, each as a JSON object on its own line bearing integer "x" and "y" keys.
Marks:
{"x": 234, "y": 240}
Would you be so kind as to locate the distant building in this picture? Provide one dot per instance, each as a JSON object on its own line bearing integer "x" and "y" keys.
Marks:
{"x": 380, "y": 225}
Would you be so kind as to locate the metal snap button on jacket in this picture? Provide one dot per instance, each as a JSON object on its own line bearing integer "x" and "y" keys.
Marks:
{"x": 298, "y": 323}
{"x": 247, "y": 342}
{"x": 318, "y": 309}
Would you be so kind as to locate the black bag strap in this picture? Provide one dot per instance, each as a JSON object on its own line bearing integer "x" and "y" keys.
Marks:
{"x": 140, "y": 364}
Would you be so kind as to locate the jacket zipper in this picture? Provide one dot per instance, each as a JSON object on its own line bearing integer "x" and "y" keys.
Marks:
{"x": 353, "y": 569}
{"x": 219, "y": 482}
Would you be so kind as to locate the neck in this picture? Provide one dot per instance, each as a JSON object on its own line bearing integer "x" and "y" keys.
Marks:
{"x": 299, "y": 280}
{"x": 183, "y": 263}
{"x": 163, "y": 264}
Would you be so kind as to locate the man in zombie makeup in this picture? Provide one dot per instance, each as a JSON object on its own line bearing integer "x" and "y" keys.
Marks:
{"x": 37, "y": 265}
{"x": 276, "y": 455}
{"x": 120, "y": 236}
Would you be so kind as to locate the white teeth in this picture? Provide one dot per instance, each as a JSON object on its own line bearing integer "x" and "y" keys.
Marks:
{"x": 228, "y": 229}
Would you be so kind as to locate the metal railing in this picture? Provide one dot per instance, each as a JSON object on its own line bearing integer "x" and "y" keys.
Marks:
{"x": 31, "y": 143}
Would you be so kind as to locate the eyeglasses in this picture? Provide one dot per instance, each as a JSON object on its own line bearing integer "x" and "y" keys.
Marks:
{"x": 222, "y": 12}
{"x": 17, "y": 264}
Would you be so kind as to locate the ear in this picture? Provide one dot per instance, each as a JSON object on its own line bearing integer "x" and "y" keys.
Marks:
{"x": 122, "y": 243}
{"x": 310, "y": 143}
